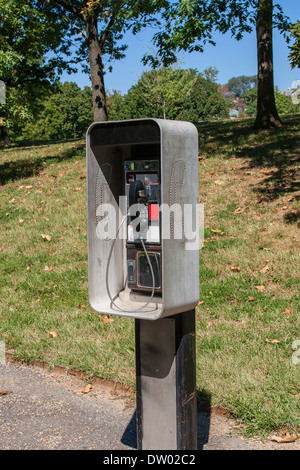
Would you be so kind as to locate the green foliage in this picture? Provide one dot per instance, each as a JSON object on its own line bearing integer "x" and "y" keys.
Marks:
{"x": 242, "y": 84}
{"x": 26, "y": 36}
{"x": 284, "y": 104}
{"x": 66, "y": 113}
{"x": 295, "y": 48}
{"x": 170, "y": 93}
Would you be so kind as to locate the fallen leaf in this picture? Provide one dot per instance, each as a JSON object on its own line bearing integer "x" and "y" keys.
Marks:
{"x": 88, "y": 388}
{"x": 53, "y": 334}
{"x": 239, "y": 210}
{"x": 250, "y": 298}
{"x": 46, "y": 237}
{"x": 265, "y": 269}
{"x": 219, "y": 182}
{"x": 217, "y": 231}
{"x": 107, "y": 319}
{"x": 21, "y": 221}
{"x": 235, "y": 268}
{"x": 260, "y": 288}
{"x": 48, "y": 268}
{"x": 285, "y": 438}
{"x": 201, "y": 302}
{"x": 5, "y": 392}
{"x": 288, "y": 310}
{"x": 272, "y": 340}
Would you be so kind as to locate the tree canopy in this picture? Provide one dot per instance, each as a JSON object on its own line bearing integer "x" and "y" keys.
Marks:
{"x": 189, "y": 25}
{"x": 171, "y": 93}
{"x": 27, "y": 34}
{"x": 294, "y": 55}
{"x": 98, "y": 27}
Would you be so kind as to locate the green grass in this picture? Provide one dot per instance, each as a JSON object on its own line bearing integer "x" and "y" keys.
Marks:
{"x": 249, "y": 184}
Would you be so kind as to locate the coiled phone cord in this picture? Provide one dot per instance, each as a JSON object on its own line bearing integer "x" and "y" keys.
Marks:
{"x": 150, "y": 266}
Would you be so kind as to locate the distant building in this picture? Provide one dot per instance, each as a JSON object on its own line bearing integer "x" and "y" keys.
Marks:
{"x": 296, "y": 84}
{"x": 293, "y": 92}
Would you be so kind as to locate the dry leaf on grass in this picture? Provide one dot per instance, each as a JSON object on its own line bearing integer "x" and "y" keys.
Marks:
{"x": 274, "y": 341}
{"x": 235, "y": 268}
{"x": 265, "y": 269}
{"x": 239, "y": 210}
{"x": 260, "y": 288}
{"x": 53, "y": 334}
{"x": 284, "y": 438}
{"x": 46, "y": 237}
{"x": 106, "y": 319}
{"x": 287, "y": 310}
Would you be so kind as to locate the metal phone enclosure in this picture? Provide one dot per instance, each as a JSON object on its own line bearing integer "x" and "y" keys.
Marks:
{"x": 142, "y": 174}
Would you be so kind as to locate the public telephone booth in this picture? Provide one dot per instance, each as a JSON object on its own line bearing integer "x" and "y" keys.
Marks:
{"x": 143, "y": 262}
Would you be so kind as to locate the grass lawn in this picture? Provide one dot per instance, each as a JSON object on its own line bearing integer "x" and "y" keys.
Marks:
{"x": 247, "y": 317}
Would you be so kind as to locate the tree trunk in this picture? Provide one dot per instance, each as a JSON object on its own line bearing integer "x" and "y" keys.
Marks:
{"x": 96, "y": 69}
{"x": 267, "y": 115}
{"x": 4, "y": 135}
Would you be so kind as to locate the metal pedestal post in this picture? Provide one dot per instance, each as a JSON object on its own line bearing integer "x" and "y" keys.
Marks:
{"x": 166, "y": 383}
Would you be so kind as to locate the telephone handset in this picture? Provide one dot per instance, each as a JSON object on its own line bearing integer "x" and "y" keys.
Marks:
{"x": 142, "y": 188}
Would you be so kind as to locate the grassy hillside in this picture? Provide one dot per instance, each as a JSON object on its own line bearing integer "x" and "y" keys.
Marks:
{"x": 247, "y": 317}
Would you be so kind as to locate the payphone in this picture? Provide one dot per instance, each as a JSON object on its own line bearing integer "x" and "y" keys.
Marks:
{"x": 143, "y": 262}
{"x": 138, "y": 171}
{"x": 142, "y": 190}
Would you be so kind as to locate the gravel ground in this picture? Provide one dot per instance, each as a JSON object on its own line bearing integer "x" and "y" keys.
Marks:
{"x": 48, "y": 411}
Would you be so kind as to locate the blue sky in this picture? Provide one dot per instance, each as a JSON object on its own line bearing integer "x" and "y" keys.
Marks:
{"x": 232, "y": 58}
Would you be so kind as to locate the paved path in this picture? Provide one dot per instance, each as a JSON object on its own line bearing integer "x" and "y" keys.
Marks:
{"x": 44, "y": 411}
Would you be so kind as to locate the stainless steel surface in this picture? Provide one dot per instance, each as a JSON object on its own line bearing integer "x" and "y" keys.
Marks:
{"x": 109, "y": 144}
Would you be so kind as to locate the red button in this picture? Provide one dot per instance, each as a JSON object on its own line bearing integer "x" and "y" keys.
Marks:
{"x": 153, "y": 211}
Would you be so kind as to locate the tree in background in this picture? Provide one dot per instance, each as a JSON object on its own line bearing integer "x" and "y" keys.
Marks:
{"x": 266, "y": 114}
{"x": 65, "y": 113}
{"x": 189, "y": 25}
{"x": 295, "y": 48}
{"x": 26, "y": 35}
{"x": 171, "y": 93}
{"x": 242, "y": 84}
{"x": 284, "y": 104}
{"x": 100, "y": 26}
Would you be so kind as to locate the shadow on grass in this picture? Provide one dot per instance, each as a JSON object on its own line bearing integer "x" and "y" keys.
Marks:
{"x": 276, "y": 150}
{"x": 11, "y": 171}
